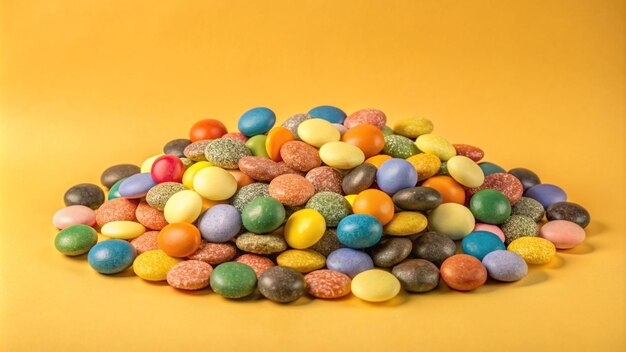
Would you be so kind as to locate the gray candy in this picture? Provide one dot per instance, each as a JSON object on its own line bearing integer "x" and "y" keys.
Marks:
{"x": 118, "y": 172}
{"x": 391, "y": 251}
{"x": 86, "y": 194}
{"x": 176, "y": 147}
{"x": 434, "y": 247}
{"x": 281, "y": 284}
{"x": 359, "y": 179}
{"x": 417, "y": 198}
{"x": 417, "y": 275}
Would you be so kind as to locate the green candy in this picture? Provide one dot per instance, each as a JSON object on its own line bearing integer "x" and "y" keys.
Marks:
{"x": 443, "y": 169}
{"x": 490, "y": 168}
{"x": 76, "y": 240}
{"x": 331, "y": 205}
{"x": 256, "y": 145}
{"x": 387, "y": 131}
{"x": 399, "y": 147}
{"x": 490, "y": 206}
{"x": 114, "y": 191}
{"x": 233, "y": 280}
{"x": 262, "y": 215}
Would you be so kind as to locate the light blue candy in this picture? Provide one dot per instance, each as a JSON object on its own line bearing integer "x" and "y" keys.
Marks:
{"x": 505, "y": 266}
{"x": 396, "y": 174}
{"x": 480, "y": 243}
{"x": 349, "y": 261}
{"x": 256, "y": 121}
{"x": 359, "y": 231}
{"x": 137, "y": 185}
{"x": 111, "y": 256}
{"x": 329, "y": 113}
{"x": 220, "y": 223}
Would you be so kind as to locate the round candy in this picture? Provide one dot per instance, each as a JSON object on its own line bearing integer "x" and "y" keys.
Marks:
{"x": 214, "y": 253}
{"x": 225, "y": 152}
{"x": 158, "y": 195}
{"x": 463, "y": 272}
{"x": 179, "y": 240}
{"x": 195, "y": 151}
{"x": 329, "y": 113}
{"x": 241, "y": 178}
{"x": 359, "y": 179}
{"x": 341, "y": 155}
{"x": 247, "y": 193}
{"x": 206, "y": 129}
{"x": 86, "y": 194}
{"x": 399, "y": 147}
{"x": 281, "y": 284}
{"x": 122, "y": 229}
{"x": 490, "y": 228}
{"x": 434, "y": 247}
{"x": 214, "y": 183}
{"x": 375, "y": 203}
{"x": 426, "y": 165}
{"x": 417, "y": 275}
{"x": 73, "y": 215}
{"x": 528, "y": 207}
{"x": 417, "y": 198}
{"x": 502, "y": 182}
{"x": 146, "y": 242}
{"x": 413, "y": 127}
{"x": 183, "y": 206}
{"x": 490, "y": 168}
{"x": 220, "y": 223}
{"x": 119, "y": 209}
{"x": 437, "y": 145}
{"x": 406, "y": 223}
{"x": 391, "y": 251}
{"x": 114, "y": 191}
{"x": 366, "y": 137}
{"x": 75, "y": 240}
{"x": 505, "y": 266}
{"x": 328, "y": 243}
{"x": 304, "y": 228}
{"x": 167, "y": 168}
{"x": 359, "y": 231}
{"x": 332, "y": 206}
{"x": 378, "y": 160}
{"x": 318, "y": 132}
{"x": 349, "y": 261}
{"x": 176, "y": 147}
{"x": 146, "y": 166}
{"x": 325, "y": 178}
{"x": 546, "y": 194}
{"x": 480, "y": 243}
{"x": 150, "y": 217}
{"x": 375, "y": 286}
{"x": 370, "y": 116}
{"x": 258, "y": 263}
{"x": 191, "y": 172}
{"x": 111, "y": 257}
{"x": 117, "y": 172}
{"x": 262, "y": 215}
{"x": 256, "y": 121}
{"x": 519, "y": 226}
{"x": 327, "y": 284}
{"x": 450, "y": 190}
{"x": 256, "y": 145}
{"x": 570, "y": 212}
{"x": 262, "y": 168}
{"x": 564, "y": 234}
{"x": 490, "y": 206}
{"x": 465, "y": 171}
{"x": 261, "y": 244}
{"x": 301, "y": 260}
{"x": 190, "y": 275}
{"x": 534, "y": 250}
{"x": 396, "y": 174}
{"x": 293, "y": 122}
{"x": 526, "y": 177}
{"x": 154, "y": 265}
{"x": 451, "y": 219}
{"x": 137, "y": 185}
{"x": 474, "y": 153}
{"x": 291, "y": 189}
{"x": 276, "y": 138}
{"x": 233, "y": 280}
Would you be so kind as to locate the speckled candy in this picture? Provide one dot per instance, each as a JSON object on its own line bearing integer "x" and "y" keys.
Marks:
{"x": 301, "y": 260}
{"x": 261, "y": 244}
{"x": 258, "y": 263}
{"x": 413, "y": 127}
{"x": 293, "y": 122}
{"x": 248, "y": 193}
{"x": 474, "y": 153}
{"x": 327, "y": 284}
{"x": 150, "y": 217}
{"x": 86, "y": 194}
{"x": 359, "y": 179}
{"x": 225, "y": 152}
{"x": 195, "y": 150}
{"x": 405, "y": 223}
{"x": 154, "y": 265}
{"x": 528, "y": 207}
{"x": 118, "y": 209}
{"x": 291, "y": 190}
{"x": 399, "y": 147}
{"x": 518, "y": 226}
{"x": 375, "y": 286}
{"x": 263, "y": 169}
{"x": 371, "y": 116}
{"x": 534, "y": 250}
{"x": 328, "y": 243}
{"x": 564, "y": 234}
{"x": 434, "y": 247}
{"x": 325, "y": 178}
{"x": 417, "y": 275}
{"x": 546, "y": 194}
{"x": 75, "y": 240}
{"x": 505, "y": 266}
{"x": 214, "y": 253}
{"x": 507, "y": 184}
{"x": 73, "y": 215}
{"x": 569, "y": 211}
{"x": 480, "y": 243}
{"x": 158, "y": 195}
{"x": 233, "y": 280}
{"x": 463, "y": 272}
{"x": 359, "y": 231}
{"x": 300, "y": 156}
{"x": 189, "y": 275}
{"x": 281, "y": 284}
{"x": 137, "y": 185}
{"x": 417, "y": 198}
{"x": 395, "y": 174}
{"x": 145, "y": 242}
{"x": 111, "y": 257}
{"x": 391, "y": 251}
{"x": 117, "y": 172}
{"x": 332, "y": 206}
{"x": 426, "y": 165}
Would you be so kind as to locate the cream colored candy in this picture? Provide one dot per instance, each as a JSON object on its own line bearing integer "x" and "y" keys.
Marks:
{"x": 375, "y": 285}
{"x": 124, "y": 230}
{"x": 341, "y": 155}
{"x": 451, "y": 219}
{"x": 465, "y": 171}
{"x": 183, "y": 206}
{"x": 190, "y": 172}
{"x": 215, "y": 183}
{"x": 318, "y": 132}
{"x": 146, "y": 166}
{"x": 437, "y": 145}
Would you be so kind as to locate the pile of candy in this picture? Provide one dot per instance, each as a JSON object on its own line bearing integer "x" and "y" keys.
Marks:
{"x": 324, "y": 204}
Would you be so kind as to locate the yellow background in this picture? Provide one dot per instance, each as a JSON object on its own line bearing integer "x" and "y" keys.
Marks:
{"x": 88, "y": 84}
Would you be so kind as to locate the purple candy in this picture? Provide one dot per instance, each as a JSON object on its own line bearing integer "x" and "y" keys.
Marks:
{"x": 220, "y": 223}
{"x": 396, "y": 174}
{"x": 546, "y": 194}
{"x": 505, "y": 265}
{"x": 349, "y": 261}
{"x": 137, "y": 185}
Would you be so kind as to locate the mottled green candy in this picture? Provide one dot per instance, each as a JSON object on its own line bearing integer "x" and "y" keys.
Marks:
{"x": 443, "y": 169}
{"x": 331, "y": 205}
{"x": 256, "y": 145}
{"x": 399, "y": 147}
{"x": 186, "y": 162}
{"x": 248, "y": 193}
{"x": 519, "y": 226}
{"x": 76, "y": 240}
{"x": 225, "y": 152}
{"x": 262, "y": 215}
{"x": 528, "y": 207}
{"x": 328, "y": 243}
{"x": 233, "y": 280}
{"x": 158, "y": 195}
{"x": 114, "y": 191}
{"x": 261, "y": 244}
{"x": 490, "y": 206}
{"x": 387, "y": 131}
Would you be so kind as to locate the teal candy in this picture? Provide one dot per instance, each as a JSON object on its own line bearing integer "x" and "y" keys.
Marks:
{"x": 76, "y": 240}
{"x": 490, "y": 206}
{"x": 256, "y": 121}
{"x": 233, "y": 280}
{"x": 490, "y": 168}
{"x": 114, "y": 191}
{"x": 111, "y": 256}
{"x": 262, "y": 215}
{"x": 480, "y": 243}
{"x": 329, "y": 113}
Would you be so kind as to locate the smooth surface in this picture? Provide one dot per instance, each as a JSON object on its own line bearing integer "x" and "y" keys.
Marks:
{"x": 85, "y": 85}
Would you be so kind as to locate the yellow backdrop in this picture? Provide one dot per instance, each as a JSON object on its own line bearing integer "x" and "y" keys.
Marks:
{"x": 86, "y": 84}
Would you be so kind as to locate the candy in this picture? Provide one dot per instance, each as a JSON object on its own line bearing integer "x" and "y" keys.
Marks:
{"x": 276, "y": 138}
{"x": 167, "y": 168}
{"x": 332, "y": 206}
{"x": 179, "y": 239}
{"x": 86, "y": 194}
{"x": 241, "y": 178}
{"x": 256, "y": 145}
{"x": 111, "y": 257}
{"x": 391, "y": 251}
{"x": 225, "y": 152}
{"x": 220, "y": 223}
{"x": 527, "y": 177}
{"x": 349, "y": 261}
{"x": 117, "y": 172}
{"x": 328, "y": 243}
{"x": 325, "y": 179}
{"x": 262, "y": 215}
{"x": 158, "y": 195}
{"x": 413, "y": 127}
{"x": 73, "y": 215}
{"x": 378, "y": 160}
{"x": 480, "y": 243}
{"x": 490, "y": 168}
{"x": 463, "y": 272}
{"x": 570, "y": 212}
{"x": 329, "y": 113}
{"x": 281, "y": 284}
{"x": 214, "y": 183}
{"x": 366, "y": 137}
{"x": 417, "y": 275}
{"x": 399, "y": 147}
{"x": 395, "y": 174}
{"x": 154, "y": 265}
{"x": 189, "y": 275}
{"x": 327, "y": 284}
{"x": 114, "y": 191}
{"x": 505, "y": 266}
{"x": 490, "y": 206}
{"x": 300, "y": 156}
{"x": 304, "y": 228}
{"x": 191, "y": 172}
{"x": 359, "y": 179}
{"x": 375, "y": 203}
{"x": 248, "y": 193}
{"x": 122, "y": 229}
{"x": 406, "y": 223}
{"x": 519, "y": 226}
{"x": 370, "y": 116}
{"x": 256, "y": 121}
{"x": 546, "y": 194}
{"x": 465, "y": 171}
{"x": 238, "y": 136}
{"x": 183, "y": 206}
{"x": 176, "y": 147}
{"x": 534, "y": 250}
{"x": 564, "y": 234}
{"x": 449, "y": 190}
{"x": 150, "y": 217}
{"x": 426, "y": 165}
{"x": 262, "y": 169}
{"x": 261, "y": 244}
{"x": 474, "y": 153}
{"x": 451, "y": 219}
{"x": 75, "y": 240}
{"x": 137, "y": 185}
{"x": 359, "y": 231}
{"x": 145, "y": 242}
{"x": 195, "y": 151}
{"x": 233, "y": 280}
{"x": 375, "y": 286}
{"x": 293, "y": 122}
{"x": 291, "y": 190}
{"x": 507, "y": 184}
{"x": 258, "y": 263}
{"x": 214, "y": 253}
{"x": 434, "y": 247}
{"x": 341, "y": 155}
{"x": 490, "y": 228}
{"x": 301, "y": 260}
{"x": 528, "y": 207}
{"x": 437, "y": 145}
{"x": 417, "y": 198}
{"x": 317, "y": 132}
{"x": 119, "y": 209}
{"x": 206, "y": 129}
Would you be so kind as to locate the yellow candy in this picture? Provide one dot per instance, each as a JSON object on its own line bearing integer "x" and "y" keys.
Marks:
{"x": 318, "y": 132}
{"x": 153, "y": 265}
{"x": 341, "y": 155}
{"x": 215, "y": 183}
{"x": 124, "y": 230}
{"x": 465, "y": 171}
{"x": 534, "y": 250}
{"x": 350, "y": 198}
{"x": 191, "y": 172}
{"x": 426, "y": 165}
{"x": 301, "y": 260}
{"x": 413, "y": 127}
{"x": 183, "y": 206}
{"x": 146, "y": 166}
{"x": 406, "y": 223}
{"x": 437, "y": 145}
{"x": 304, "y": 228}
{"x": 451, "y": 219}
{"x": 375, "y": 285}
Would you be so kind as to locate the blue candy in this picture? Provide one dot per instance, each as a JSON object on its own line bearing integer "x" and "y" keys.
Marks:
{"x": 396, "y": 174}
{"x": 359, "y": 231}
{"x": 220, "y": 223}
{"x": 137, "y": 185}
{"x": 546, "y": 194}
{"x": 256, "y": 121}
{"x": 111, "y": 256}
{"x": 505, "y": 266}
{"x": 480, "y": 243}
{"x": 328, "y": 113}
{"x": 349, "y": 261}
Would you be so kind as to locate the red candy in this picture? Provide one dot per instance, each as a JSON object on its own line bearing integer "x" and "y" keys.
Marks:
{"x": 167, "y": 168}
{"x": 469, "y": 151}
{"x": 207, "y": 129}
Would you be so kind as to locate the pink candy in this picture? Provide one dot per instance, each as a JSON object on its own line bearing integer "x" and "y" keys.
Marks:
{"x": 74, "y": 215}
{"x": 490, "y": 228}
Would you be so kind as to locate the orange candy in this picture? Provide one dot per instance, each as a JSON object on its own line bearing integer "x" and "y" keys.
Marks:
{"x": 207, "y": 129}
{"x": 275, "y": 139}
{"x": 375, "y": 203}
{"x": 241, "y": 178}
{"x": 451, "y": 191}
{"x": 179, "y": 240}
{"x": 368, "y": 138}
{"x": 378, "y": 160}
